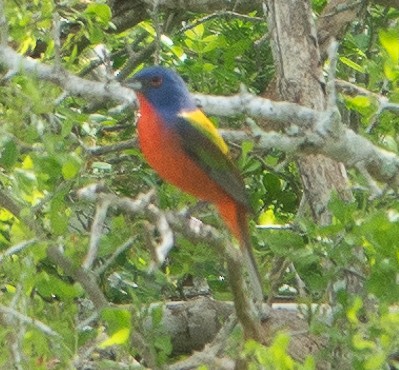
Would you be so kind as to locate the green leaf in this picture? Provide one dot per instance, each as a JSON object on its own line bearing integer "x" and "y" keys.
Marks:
{"x": 147, "y": 26}
{"x": 341, "y": 210}
{"x": 211, "y": 43}
{"x": 119, "y": 337}
{"x": 391, "y": 71}
{"x": 352, "y": 312}
{"x": 119, "y": 326}
{"x": 196, "y": 33}
{"x": 267, "y": 217}
{"x": 47, "y": 168}
{"x": 273, "y": 357}
{"x": 102, "y": 12}
{"x": 96, "y": 35}
{"x": 272, "y": 185}
{"x": 178, "y": 51}
{"x": 359, "y": 101}
{"x": 389, "y": 40}
{"x": 383, "y": 274}
{"x": 58, "y": 216}
{"x": 70, "y": 168}
{"x": 352, "y": 64}
{"x": 359, "y": 342}
{"x": 376, "y": 362}
{"x": 157, "y": 315}
{"x": 364, "y": 105}
{"x": 8, "y": 154}
{"x": 117, "y": 319}
{"x": 49, "y": 286}
{"x": 163, "y": 344}
{"x": 390, "y": 143}
{"x": 283, "y": 242}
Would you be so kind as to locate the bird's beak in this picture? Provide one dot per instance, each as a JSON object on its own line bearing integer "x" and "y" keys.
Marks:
{"x": 134, "y": 84}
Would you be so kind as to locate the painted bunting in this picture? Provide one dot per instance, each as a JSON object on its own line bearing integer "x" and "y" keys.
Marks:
{"x": 184, "y": 147}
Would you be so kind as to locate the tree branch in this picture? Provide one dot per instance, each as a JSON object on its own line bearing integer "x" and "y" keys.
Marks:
{"x": 85, "y": 278}
{"x": 301, "y": 129}
{"x": 28, "y": 320}
{"x": 207, "y": 6}
{"x": 13, "y": 61}
{"x": 247, "y": 312}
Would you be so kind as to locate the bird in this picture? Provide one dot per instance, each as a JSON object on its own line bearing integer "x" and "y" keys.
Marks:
{"x": 186, "y": 150}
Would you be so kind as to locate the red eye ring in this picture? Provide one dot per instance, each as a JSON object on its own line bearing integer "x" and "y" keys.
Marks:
{"x": 156, "y": 81}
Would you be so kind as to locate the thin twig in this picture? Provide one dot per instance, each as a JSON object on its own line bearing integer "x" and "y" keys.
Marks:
{"x": 100, "y": 150}
{"x": 85, "y": 278}
{"x": 96, "y": 233}
{"x": 57, "y": 41}
{"x": 141, "y": 205}
{"x": 9, "y": 203}
{"x": 331, "y": 91}
{"x": 134, "y": 60}
{"x": 17, "y": 248}
{"x": 82, "y": 325}
{"x": 166, "y": 242}
{"x": 3, "y": 25}
{"x": 11, "y": 60}
{"x": 28, "y": 320}
{"x": 342, "y": 8}
{"x": 349, "y": 88}
{"x": 158, "y": 31}
{"x": 381, "y": 100}
{"x": 121, "y": 249}
{"x": 301, "y": 286}
{"x": 275, "y": 227}
{"x": 15, "y": 337}
{"x": 221, "y": 14}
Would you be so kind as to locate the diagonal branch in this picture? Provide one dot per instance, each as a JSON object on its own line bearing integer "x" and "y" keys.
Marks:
{"x": 247, "y": 312}
{"x": 84, "y": 277}
{"x": 28, "y": 320}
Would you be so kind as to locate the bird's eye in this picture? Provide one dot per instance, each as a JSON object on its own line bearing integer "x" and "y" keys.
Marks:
{"x": 156, "y": 81}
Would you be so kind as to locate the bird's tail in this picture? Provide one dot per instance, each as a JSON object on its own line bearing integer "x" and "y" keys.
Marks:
{"x": 236, "y": 218}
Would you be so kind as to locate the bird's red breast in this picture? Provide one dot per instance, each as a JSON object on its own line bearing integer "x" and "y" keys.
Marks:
{"x": 162, "y": 149}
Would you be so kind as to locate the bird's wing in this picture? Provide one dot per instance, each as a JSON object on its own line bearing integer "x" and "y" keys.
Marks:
{"x": 203, "y": 143}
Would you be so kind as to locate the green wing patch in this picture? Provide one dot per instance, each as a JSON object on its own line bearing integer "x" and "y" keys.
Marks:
{"x": 213, "y": 158}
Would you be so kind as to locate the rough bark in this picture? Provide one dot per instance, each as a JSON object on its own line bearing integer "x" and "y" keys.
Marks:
{"x": 127, "y": 13}
{"x": 300, "y": 80}
{"x": 335, "y": 18}
{"x": 184, "y": 322}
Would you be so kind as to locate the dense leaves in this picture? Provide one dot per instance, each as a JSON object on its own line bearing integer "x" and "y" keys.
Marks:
{"x": 44, "y": 159}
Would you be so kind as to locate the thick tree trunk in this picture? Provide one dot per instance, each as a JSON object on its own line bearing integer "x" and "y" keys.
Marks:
{"x": 300, "y": 80}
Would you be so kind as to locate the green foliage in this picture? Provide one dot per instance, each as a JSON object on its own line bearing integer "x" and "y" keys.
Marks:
{"x": 119, "y": 326}
{"x": 43, "y": 162}
{"x": 372, "y": 60}
{"x": 275, "y": 356}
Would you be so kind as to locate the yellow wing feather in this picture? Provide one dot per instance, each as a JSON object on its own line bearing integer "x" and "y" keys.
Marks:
{"x": 202, "y": 123}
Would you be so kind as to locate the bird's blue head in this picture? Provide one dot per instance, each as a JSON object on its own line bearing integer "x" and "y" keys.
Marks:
{"x": 163, "y": 88}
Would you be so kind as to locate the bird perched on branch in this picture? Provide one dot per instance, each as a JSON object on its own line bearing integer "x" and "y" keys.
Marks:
{"x": 184, "y": 147}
